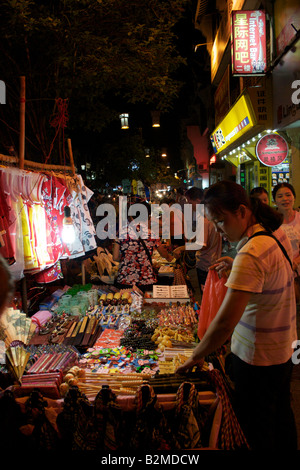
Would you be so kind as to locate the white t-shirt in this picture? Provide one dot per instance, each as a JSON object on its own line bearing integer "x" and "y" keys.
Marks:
{"x": 267, "y": 328}
{"x": 293, "y": 232}
{"x": 212, "y": 247}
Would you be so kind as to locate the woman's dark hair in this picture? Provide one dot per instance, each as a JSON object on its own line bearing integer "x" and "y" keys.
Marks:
{"x": 258, "y": 190}
{"x": 283, "y": 185}
{"x": 143, "y": 203}
{"x": 228, "y": 196}
{"x": 194, "y": 193}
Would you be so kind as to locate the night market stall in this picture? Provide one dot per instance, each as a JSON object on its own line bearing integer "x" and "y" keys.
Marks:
{"x": 92, "y": 366}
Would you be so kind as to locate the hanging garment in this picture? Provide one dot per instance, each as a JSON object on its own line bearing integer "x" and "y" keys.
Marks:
{"x": 6, "y": 246}
{"x": 15, "y": 204}
{"x": 151, "y": 430}
{"x": 72, "y": 418}
{"x": 84, "y": 227}
{"x": 44, "y": 435}
{"x": 107, "y": 420}
{"x": 189, "y": 419}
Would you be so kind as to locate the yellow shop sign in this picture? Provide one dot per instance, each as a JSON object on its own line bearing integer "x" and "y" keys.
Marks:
{"x": 239, "y": 119}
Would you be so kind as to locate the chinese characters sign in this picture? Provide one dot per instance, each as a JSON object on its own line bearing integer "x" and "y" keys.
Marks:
{"x": 272, "y": 149}
{"x": 248, "y": 42}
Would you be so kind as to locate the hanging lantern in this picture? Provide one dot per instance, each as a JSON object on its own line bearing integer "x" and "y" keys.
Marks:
{"x": 155, "y": 118}
{"x": 147, "y": 153}
{"x": 124, "y": 121}
{"x": 164, "y": 152}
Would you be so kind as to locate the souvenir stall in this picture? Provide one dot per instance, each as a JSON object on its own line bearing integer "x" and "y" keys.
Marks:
{"x": 93, "y": 366}
{"x": 44, "y": 215}
{"x": 98, "y": 363}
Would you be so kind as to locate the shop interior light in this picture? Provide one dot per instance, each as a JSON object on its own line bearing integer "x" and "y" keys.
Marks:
{"x": 68, "y": 231}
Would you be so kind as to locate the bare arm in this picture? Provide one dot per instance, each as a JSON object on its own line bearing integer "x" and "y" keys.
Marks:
{"x": 164, "y": 253}
{"x": 221, "y": 327}
{"x": 116, "y": 251}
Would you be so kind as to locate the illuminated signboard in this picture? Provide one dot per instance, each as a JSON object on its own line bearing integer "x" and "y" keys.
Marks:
{"x": 248, "y": 42}
{"x": 237, "y": 121}
{"x": 272, "y": 149}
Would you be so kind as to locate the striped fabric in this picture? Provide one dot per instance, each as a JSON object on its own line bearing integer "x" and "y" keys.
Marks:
{"x": 267, "y": 328}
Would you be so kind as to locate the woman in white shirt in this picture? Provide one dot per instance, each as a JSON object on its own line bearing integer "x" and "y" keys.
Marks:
{"x": 284, "y": 198}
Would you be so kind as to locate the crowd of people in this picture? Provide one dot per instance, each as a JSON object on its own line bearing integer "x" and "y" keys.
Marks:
{"x": 258, "y": 313}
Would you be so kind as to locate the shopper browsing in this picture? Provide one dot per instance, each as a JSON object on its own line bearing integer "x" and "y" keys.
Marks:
{"x": 212, "y": 241}
{"x": 261, "y": 193}
{"x": 258, "y": 313}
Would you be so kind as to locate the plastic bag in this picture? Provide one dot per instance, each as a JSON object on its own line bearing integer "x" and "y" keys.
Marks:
{"x": 213, "y": 295}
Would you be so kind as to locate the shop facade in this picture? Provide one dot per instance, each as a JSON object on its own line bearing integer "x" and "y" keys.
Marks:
{"x": 250, "y": 105}
{"x": 286, "y": 83}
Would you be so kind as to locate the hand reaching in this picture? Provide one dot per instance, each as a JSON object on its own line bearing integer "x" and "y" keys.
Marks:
{"x": 223, "y": 265}
{"x": 188, "y": 365}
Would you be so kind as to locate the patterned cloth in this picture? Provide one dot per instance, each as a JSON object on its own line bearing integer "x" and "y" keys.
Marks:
{"x": 135, "y": 266}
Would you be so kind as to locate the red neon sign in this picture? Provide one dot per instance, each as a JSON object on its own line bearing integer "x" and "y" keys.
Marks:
{"x": 213, "y": 159}
{"x": 248, "y": 42}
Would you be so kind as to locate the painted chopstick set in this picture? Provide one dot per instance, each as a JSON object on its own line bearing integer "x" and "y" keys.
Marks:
{"x": 46, "y": 369}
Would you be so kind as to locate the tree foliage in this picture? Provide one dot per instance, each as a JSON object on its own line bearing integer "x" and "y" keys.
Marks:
{"x": 96, "y": 54}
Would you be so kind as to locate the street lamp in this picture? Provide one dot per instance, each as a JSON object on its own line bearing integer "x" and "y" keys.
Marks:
{"x": 155, "y": 118}
{"x": 124, "y": 121}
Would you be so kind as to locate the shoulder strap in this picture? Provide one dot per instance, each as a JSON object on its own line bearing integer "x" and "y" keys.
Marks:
{"x": 268, "y": 234}
{"x": 146, "y": 250}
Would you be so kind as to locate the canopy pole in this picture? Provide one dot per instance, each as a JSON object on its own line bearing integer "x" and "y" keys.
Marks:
{"x": 22, "y": 122}
{"x": 71, "y": 156}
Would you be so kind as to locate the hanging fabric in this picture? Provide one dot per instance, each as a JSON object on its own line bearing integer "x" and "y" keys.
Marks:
{"x": 188, "y": 421}
{"x": 31, "y": 219}
{"x": 151, "y": 432}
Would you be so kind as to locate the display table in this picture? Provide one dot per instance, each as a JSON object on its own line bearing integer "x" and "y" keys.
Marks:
{"x": 101, "y": 341}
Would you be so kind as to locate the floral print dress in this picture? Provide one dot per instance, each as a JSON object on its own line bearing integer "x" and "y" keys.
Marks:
{"x": 135, "y": 266}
